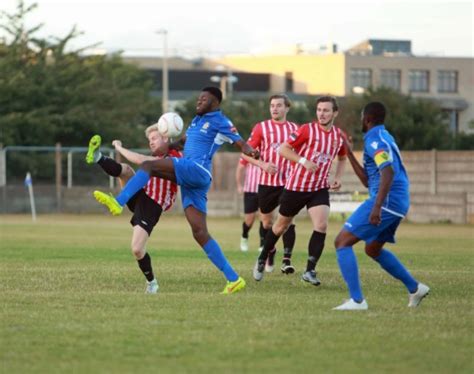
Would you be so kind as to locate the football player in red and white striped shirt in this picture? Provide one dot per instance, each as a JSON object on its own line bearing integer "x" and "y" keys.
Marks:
{"x": 247, "y": 177}
{"x": 147, "y": 204}
{"x": 311, "y": 149}
{"x": 267, "y": 136}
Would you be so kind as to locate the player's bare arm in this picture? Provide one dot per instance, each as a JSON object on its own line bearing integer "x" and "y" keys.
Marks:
{"x": 247, "y": 150}
{"x": 386, "y": 179}
{"x": 358, "y": 168}
{"x": 239, "y": 178}
{"x": 340, "y": 167}
{"x": 289, "y": 153}
{"x": 268, "y": 167}
{"x": 133, "y": 157}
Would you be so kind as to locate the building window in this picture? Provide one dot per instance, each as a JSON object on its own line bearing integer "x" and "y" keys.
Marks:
{"x": 419, "y": 80}
{"x": 361, "y": 79}
{"x": 447, "y": 81}
{"x": 390, "y": 78}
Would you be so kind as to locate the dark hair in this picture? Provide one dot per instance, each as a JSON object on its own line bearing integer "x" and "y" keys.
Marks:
{"x": 328, "y": 99}
{"x": 375, "y": 112}
{"x": 285, "y": 98}
{"x": 214, "y": 91}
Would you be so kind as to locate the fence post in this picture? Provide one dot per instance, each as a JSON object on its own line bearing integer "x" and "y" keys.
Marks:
{"x": 433, "y": 179}
{"x": 69, "y": 169}
{"x": 3, "y": 166}
{"x": 464, "y": 207}
{"x": 3, "y": 178}
{"x": 58, "y": 176}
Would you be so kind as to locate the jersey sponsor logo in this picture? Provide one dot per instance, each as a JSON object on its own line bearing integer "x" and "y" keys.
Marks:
{"x": 374, "y": 145}
{"x": 320, "y": 158}
{"x": 205, "y": 127}
{"x": 381, "y": 157}
{"x": 275, "y": 146}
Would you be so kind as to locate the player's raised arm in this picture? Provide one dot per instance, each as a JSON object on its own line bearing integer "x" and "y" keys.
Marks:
{"x": 134, "y": 157}
{"x": 358, "y": 169}
{"x": 247, "y": 150}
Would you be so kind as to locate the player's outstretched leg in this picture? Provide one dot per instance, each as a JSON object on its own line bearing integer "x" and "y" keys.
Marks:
{"x": 109, "y": 201}
{"x": 391, "y": 264}
{"x": 215, "y": 254}
{"x": 233, "y": 287}
{"x": 414, "y": 299}
{"x": 93, "y": 152}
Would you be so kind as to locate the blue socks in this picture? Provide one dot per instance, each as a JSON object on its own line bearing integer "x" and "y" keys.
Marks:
{"x": 216, "y": 256}
{"x": 348, "y": 264}
{"x": 135, "y": 184}
{"x": 392, "y": 265}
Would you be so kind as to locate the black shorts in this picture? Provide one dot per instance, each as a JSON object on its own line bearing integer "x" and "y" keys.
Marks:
{"x": 268, "y": 198}
{"x": 146, "y": 211}
{"x": 250, "y": 202}
{"x": 293, "y": 201}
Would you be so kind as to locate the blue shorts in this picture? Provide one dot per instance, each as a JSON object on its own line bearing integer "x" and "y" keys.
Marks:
{"x": 358, "y": 224}
{"x": 194, "y": 181}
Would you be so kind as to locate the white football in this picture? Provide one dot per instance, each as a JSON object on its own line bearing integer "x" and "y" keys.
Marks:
{"x": 170, "y": 124}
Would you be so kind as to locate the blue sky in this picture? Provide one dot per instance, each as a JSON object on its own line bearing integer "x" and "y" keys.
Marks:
{"x": 212, "y": 28}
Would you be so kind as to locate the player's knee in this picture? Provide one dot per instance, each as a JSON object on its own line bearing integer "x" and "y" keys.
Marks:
{"x": 279, "y": 228}
{"x": 127, "y": 171}
{"x": 200, "y": 235}
{"x": 321, "y": 227}
{"x": 339, "y": 241}
{"x": 138, "y": 252}
{"x": 147, "y": 166}
{"x": 371, "y": 251}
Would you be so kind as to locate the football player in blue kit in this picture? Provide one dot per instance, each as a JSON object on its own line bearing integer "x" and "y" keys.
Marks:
{"x": 377, "y": 219}
{"x": 208, "y": 130}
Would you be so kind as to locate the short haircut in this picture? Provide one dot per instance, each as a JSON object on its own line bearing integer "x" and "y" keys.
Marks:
{"x": 375, "y": 112}
{"x": 214, "y": 91}
{"x": 285, "y": 98}
{"x": 150, "y": 129}
{"x": 328, "y": 99}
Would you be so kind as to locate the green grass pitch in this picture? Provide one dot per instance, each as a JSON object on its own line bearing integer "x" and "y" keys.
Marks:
{"x": 72, "y": 301}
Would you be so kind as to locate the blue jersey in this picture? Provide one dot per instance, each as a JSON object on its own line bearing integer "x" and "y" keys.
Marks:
{"x": 380, "y": 151}
{"x": 206, "y": 134}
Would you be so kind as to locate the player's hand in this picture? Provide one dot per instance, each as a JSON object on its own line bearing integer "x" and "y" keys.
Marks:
{"x": 249, "y": 151}
{"x": 240, "y": 189}
{"x": 269, "y": 168}
{"x": 336, "y": 185}
{"x": 375, "y": 216}
{"x": 311, "y": 166}
{"x": 117, "y": 143}
{"x": 348, "y": 142}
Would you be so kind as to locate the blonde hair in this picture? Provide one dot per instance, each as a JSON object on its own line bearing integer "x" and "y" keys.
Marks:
{"x": 150, "y": 129}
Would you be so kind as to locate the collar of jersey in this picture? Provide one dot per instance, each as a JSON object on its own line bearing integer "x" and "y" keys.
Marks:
{"x": 373, "y": 130}
{"x": 211, "y": 114}
{"x": 279, "y": 123}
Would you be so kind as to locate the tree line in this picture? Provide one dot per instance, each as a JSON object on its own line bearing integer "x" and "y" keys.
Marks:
{"x": 51, "y": 93}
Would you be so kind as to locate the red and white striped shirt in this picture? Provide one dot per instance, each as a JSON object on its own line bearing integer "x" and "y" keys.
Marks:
{"x": 163, "y": 191}
{"x": 267, "y": 136}
{"x": 252, "y": 176}
{"x": 315, "y": 144}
